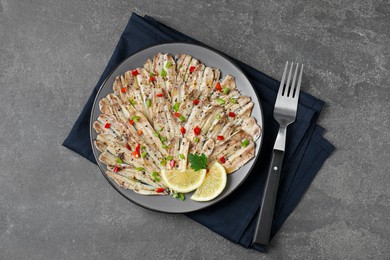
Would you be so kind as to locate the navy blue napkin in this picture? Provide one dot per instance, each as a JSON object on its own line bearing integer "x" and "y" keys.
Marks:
{"x": 234, "y": 218}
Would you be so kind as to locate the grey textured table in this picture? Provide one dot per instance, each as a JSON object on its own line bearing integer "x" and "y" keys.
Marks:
{"x": 56, "y": 205}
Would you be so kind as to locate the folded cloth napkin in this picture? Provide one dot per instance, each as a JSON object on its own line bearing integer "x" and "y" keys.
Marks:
{"x": 235, "y": 217}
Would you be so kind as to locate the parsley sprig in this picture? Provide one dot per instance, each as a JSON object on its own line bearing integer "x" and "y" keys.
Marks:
{"x": 198, "y": 162}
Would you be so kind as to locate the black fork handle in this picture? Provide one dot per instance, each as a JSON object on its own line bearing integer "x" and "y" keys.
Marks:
{"x": 265, "y": 218}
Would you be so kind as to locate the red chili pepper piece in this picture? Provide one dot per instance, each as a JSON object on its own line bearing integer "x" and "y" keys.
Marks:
{"x": 172, "y": 163}
{"x": 197, "y": 130}
{"x": 138, "y": 148}
{"x": 134, "y": 72}
{"x": 183, "y": 130}
{"x": 123, "y": 90}
{"x": 231, "y": 114}
{"x": 177, "y": 114}
{"x": 220, "y": 137}
{"x": 160, "y": 190}
{"x": 107, "y": 125}
{"x": 222, "y": 159}
{"x": 152, "y": 78}
{"x": 116, "y": 169}
{"x": 192, "y": 68}
{"x": 159, "y": 94}
{"x": 128, "y": 147}
{"x": 136, "y": 154}
{"x": 131, "y": 122}
{"x": 196, "y": 101}
{"x": 218, "y": 86}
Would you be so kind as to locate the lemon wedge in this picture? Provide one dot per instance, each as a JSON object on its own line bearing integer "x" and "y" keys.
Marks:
{"x": 213, "y": 185}
{"x": 183, "y": 181}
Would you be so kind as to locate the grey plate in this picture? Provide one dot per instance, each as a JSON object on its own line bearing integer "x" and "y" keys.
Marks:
{"x": 209, "y": 58}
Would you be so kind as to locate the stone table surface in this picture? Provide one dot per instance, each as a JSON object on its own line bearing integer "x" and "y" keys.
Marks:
{"x": 54, "y": 204}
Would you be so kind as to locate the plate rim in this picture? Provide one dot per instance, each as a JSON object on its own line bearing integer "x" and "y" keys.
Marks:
{"x": 213, "y": 202}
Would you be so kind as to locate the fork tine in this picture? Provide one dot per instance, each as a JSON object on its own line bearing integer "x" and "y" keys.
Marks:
{"x": 291, "y": 90}
{"x": 288, "y": 86}
{"x": 281, "y": 87}
{"x": 298, "y": 88}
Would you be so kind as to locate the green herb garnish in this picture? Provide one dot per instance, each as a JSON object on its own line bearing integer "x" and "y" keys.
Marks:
{"x": 143, "y": 154}
{"x": 133, "y": 102}
{"x": 225, "y": 90}
{"x": 182, "y": 197}
{"x": 220, "y": 101}
{"x": 135, "y": 118}
{"x": 119, "y": 160}
{"x": 182, "y": 118}
{"x": 233, "y": 100}
{"x": 196, "y": 139}
{"x": 182, "y": 156}
{"x": 155, "y": 176}
{"x": 169, "y": 157}
{"x": 148, "y": 103}
{"x": 140, "y": 169}
{"x": 244, "y": 143}
{"x": 198, "y": 162}
{"x": 176, "y": 106}
{"x": 163, "y": 73}
{"x": 168, "y": 65}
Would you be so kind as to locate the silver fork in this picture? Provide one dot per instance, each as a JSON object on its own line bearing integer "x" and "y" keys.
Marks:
{"x": 284, "y": 113}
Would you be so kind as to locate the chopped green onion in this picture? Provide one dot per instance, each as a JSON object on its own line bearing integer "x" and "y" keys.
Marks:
{"x": 233, "y": 100}
{"x": 151, "y": 74}
{"x": 244, "y": 143}
{"x": 182, "y": 118}
{"x": 154, "y": 174}
{"x": 163, "y": 73}
{"x": 156, "y": 178}
{"x": 133, "y": 102}
{"x": 175, "y": 195}
{"x": 218, "y": 117}
{"x": 143, "y": 154}
{"x": 182, "y": 197}
{"x": 148, "y": 103}
{"x": 135, "y": 118}
{"x": 140, "y": 169}
{"x": 220, "y": 101}
{"x": 163, "y": 162}
{"x": 119, "y": 160}
{"x": 169, "y": 157}
{"x": 165, "y": 146}
{"x": 163, "y": 139}
{"x": 143, "y": 147}
{"x": 196, "y": 139}
{"x": 156, "y": 134}
{"x": 182, "y": 156}
{"x": 168, "y": 65}
{"x": 176, "y": 106}
{"x": 225, "y": 90}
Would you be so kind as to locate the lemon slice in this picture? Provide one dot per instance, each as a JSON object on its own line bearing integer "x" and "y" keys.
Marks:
{"x": 183, "y": 181}
{"x": 213, "y": 185}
